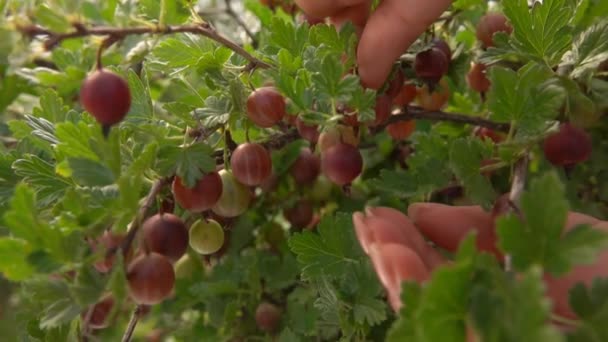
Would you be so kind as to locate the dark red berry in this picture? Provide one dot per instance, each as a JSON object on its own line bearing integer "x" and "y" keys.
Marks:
{"x": 251, "y": 164}
{"x": 486, "y": 133}
{"x": 383, "y": 109}
{"x": 105, "y": 242}
{"x": 477, "y": 78}
{"x": 342, "y": 163}
{"x": 488, "y": 25}
{"x": 430, "y": 65}
{"x": 151, "y": 279}
{"x": 165, "y": 234}
{"x": 300, "y": 215}
{"x": 395, "y": 84}
{"x": 266, "y": 107}
{"x": 570, "y": 146}
{"x": 98, "y": 313}
{"x": 268, "y": 317}
{"x": 306, "y": 131}
{"x": 306, "y": 168}
{"x": 202, "y": 196}
{"x": 444, "y": 47}
{"x": 106, "y": 96}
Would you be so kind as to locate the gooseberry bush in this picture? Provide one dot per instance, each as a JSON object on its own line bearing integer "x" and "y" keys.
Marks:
{"x": 188, "y": 171}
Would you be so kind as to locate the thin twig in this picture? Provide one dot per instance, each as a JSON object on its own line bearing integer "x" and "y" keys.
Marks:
{"x": 141, "y": 213}
{"x": 518, "y": 184}
{"x": 413, "y": 112}
{"x": 203, "y": 29}
{"x": 132, "y": 324}
{"x": 235, "y": 16}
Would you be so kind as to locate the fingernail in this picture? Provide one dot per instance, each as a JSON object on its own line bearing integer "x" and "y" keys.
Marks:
{"x": 416, "y": 209}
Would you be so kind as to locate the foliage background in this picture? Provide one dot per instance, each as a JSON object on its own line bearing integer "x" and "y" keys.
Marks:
{"x": 62, "y": 182}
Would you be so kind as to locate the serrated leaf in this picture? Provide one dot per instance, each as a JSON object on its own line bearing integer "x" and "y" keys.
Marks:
{"x": 466, "y": 156}
{"x": 589, "y": 50}
{"x": 141, "y": 102}
{"x": 41, "y": 174}
{"x": 508, "y": 98}
{"x": 538, "y": 239}
{"x": 327, "y": 253}
{"x": 285, "y": 35}
{"x": 193, "y": 162}
{"x": 87, "y": 172}
{"x": 74, "y": 140}
{"x": 543, "y": 31}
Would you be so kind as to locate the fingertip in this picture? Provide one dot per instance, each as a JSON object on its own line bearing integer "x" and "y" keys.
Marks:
{"x": 362, "y": 231}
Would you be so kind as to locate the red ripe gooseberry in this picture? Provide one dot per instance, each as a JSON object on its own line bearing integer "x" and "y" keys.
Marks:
{"x": 267, "y": 317}
{"x": 383, "y": 110}
{"x": 165, "y": 234}
{"x": 395, "y": 84}
{"x": 106, "y": 96}
{"x": 300, "y": 215}
{"x": 150, "y": 278}
{"x": 430, "y": 65}
{"x": 569, "y": 146}
{"x": 251, "y": 164}
{"x": 108, "y": 240}
{"x": 306, "y": 131}
{"x": 401, "y": 130}
{"x": 486, "y": 133}
{"x": 477, "y": 78}
{"x": 342, "y": 163}
{"x": 98, "y": 313}
{"x": 405, "y": 96}
{"x": 202, "y": 196}
{"x": 434, "y": 100}
{"x": 488, "y": 25}
{"x": 266, "y": 107}
{"x": 306, "y": 168}
{"x": 444, "y": 47}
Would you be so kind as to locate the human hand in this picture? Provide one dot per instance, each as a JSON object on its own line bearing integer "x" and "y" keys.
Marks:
{"x": 385, "y": 35}
{"x": 399, "y": 252}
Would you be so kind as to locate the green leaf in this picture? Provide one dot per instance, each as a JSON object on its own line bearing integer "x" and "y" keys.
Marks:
{"x": 591, "y": 305}
{"x": 589, "y": 50}
{"x": 181, "y": 53}
{"x": 13, "y": 259}
{"x": 41, "y": 175}
{"x": 141, "y": 102}
{"x": 538, "y": 239}
{"x": 508, "y": 98}
{"x": 88, "y": 286}
{"x": 87, "y": 172}
{"x": 288, "y": 336}
{"x": 285, "y": 35}
{"x": 74, "y": 140}
{"x": 328, "y": 252}
{"x": 507, "y": 309}
{"x": 466, "y": 156}
{"x": 193, "y": 162}
{"x": 51, "y": 107}
{"x": 22, "y": 219}
{"x": 542, "y": 32}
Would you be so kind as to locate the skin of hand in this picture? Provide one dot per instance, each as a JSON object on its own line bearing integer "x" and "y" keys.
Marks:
{"x": 385, "y": 34}
{"x": 398, "y": 250}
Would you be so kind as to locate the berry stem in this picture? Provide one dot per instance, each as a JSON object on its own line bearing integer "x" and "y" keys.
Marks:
{"x": 156, "y": 188}
{"x": 132, "y": 324}
{"x": 520, "y": 174}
